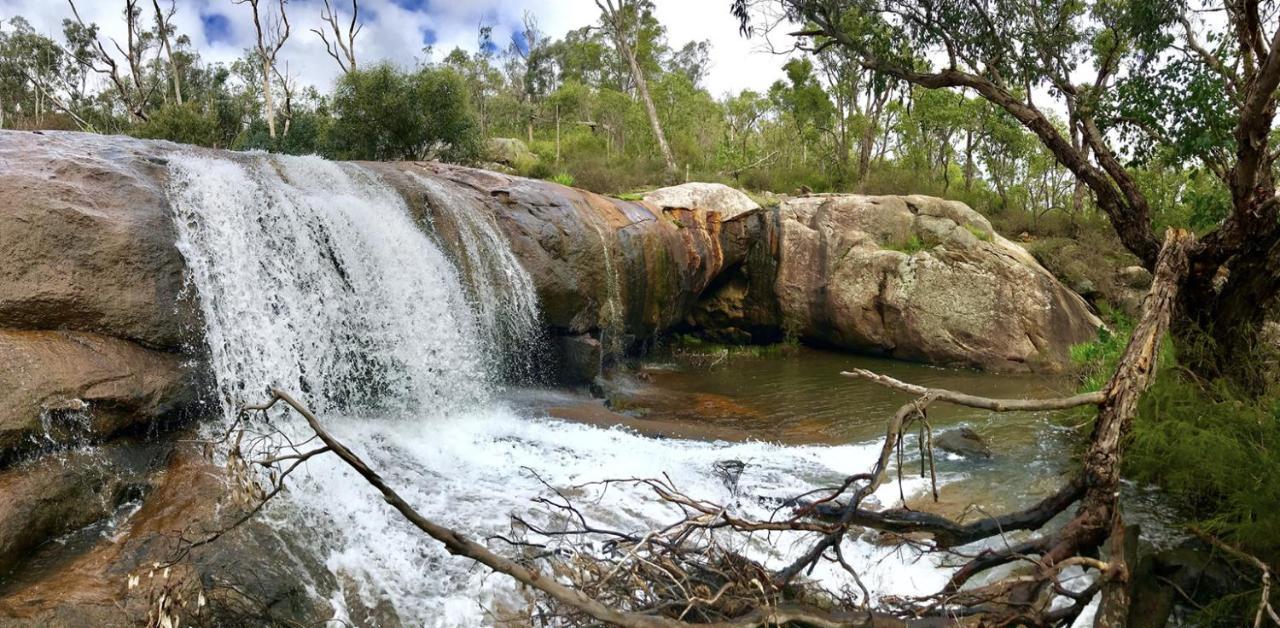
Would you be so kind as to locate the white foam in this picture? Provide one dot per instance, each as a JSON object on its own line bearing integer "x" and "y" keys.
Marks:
{"x": 472, "y": 471}
{"x": 313, "y": 277}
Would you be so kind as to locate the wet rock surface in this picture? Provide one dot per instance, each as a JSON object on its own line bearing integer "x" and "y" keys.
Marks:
{"x": 88, "y": 239}
{"x": 178, "y": 496}
{"x": 62, "y": 387}
{"x": 963, "y": 441}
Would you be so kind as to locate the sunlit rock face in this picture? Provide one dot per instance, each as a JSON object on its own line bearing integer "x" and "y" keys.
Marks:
{"x": 921, "y": 278}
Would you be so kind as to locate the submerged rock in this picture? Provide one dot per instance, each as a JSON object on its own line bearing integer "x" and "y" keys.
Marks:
{"x": 963, "y": 441}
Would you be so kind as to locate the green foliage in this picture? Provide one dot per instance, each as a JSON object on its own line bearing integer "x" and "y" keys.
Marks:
{"x": 1211, "y": 451}
{"x": 1226, "y": 458}
{"x": 307, "y": 135}
{"x": 1097, "y": 360}
{"x": 187, "y": 123}
{"x": 978, "y": 232}
{"x": 383, "y": 113}
{"x": 913, "y": 244}
{"x": 563, "y": 178}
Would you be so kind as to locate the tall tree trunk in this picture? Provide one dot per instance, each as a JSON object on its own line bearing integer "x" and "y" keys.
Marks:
{"x": 968, "y": 160}
{"x": 1223, "y": 314}
{"x": 268, "y": 105}
{"x": 642, "y": 86}
{"x": 162, "y": 27}
{"x": 865, "y": 146}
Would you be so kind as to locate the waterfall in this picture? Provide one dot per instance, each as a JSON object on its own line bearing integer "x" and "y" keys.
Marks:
{"x": 313, "y": 277}
{"x": 502, "y": 293}
{"x": 609, "y": 314}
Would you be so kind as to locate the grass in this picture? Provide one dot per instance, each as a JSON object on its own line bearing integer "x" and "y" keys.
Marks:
{"x": 978, "y": 232}
{"x": 1212, "y": 452}
{"x": 913, "y": 244}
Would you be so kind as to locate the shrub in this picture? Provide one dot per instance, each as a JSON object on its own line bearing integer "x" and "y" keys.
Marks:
{"x": 563, "y": 178}
{"x": 382, "y": 113}
{"x": 185, "y": 124}
{"x": 1213, "y": 452}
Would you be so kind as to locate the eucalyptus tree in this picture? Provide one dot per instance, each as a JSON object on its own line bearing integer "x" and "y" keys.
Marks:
{"x": 805, "y": 103}
{"x": 37, "y": 77}
{"x": 1190, "y": 81}
{"x": 693, "y": 60}
{"x": 133, "y": 87}
{"x": 530, "y": 69}
{"x": 343, "y": 46}
{"x": 625, "y": 22}
{"x": 272, "y": 30}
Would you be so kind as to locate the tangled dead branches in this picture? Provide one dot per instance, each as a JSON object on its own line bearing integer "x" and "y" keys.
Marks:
{"x": 694, "y": 570}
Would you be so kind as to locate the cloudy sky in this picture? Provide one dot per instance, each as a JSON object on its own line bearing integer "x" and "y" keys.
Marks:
{"x": 399, "y": 29}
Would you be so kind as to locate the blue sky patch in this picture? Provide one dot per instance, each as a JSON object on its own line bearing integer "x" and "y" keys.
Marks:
{"x": 217, "y": 28}
{"x": 413, "y": 5}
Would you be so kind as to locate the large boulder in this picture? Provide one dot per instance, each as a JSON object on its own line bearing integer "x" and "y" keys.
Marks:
{"x": 616, "y": 270}
{"x": 718, "y": 197}
{"x": 509, "y": 152}
{"x": 88, "y": 239}
{"x": 921, "y": 278}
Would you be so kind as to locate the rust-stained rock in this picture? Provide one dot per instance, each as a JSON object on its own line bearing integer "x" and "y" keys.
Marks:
{"x": 47, "y": 498}
{"x": 623, "y": 270}
{"x": 241, "y": 576}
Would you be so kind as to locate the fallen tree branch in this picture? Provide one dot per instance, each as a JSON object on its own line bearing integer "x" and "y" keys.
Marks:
{"x": 983, "y": 403}
{"x": 950, "y": 533}
{"x": 460, "y": 545}
{"x": 675, "y": 576}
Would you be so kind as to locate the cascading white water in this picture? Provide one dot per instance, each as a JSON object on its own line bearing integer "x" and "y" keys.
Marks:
{"x": 313, "y": 277}
{"x": 503, "y": 294}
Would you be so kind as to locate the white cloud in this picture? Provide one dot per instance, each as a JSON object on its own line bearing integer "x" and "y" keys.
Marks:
{"x": 395, "y": 32}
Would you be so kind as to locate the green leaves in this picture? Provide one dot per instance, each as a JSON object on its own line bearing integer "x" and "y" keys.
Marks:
{"x": 382, "y": 113}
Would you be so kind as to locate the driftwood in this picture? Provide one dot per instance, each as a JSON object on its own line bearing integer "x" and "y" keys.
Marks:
{"x": 679, "y": 573}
